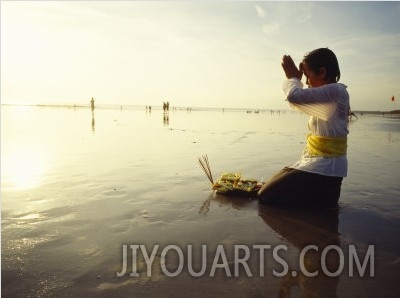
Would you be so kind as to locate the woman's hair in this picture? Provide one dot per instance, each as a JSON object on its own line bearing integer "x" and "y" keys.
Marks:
{"x": 324, "y": 57}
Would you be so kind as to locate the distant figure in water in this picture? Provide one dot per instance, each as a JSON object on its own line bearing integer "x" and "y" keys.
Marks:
{"x": 315, "y": 180}
{"x": 166, "y": 106}
{"x": 92, "y": 104}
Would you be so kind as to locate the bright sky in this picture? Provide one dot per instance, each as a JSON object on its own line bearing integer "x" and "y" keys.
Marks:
{"x": 192, "y": 53}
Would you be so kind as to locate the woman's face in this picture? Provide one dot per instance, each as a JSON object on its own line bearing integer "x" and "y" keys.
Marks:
{"x": 313, "y": 79}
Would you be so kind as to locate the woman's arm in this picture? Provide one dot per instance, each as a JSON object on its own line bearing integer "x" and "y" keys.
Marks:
{"x": 319, "y": 102}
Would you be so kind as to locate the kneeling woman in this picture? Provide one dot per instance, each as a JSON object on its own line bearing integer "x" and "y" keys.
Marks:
{"x": 315, "y": 180}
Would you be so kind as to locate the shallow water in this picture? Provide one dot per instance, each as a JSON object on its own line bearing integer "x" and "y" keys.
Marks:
{"x": 76, "y": 187}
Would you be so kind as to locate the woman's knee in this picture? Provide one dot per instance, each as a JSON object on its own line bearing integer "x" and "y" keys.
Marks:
{"x": 295, "y": 188}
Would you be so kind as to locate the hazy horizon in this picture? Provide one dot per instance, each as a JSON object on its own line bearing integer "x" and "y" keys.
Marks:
{"x": 219, "y": 54}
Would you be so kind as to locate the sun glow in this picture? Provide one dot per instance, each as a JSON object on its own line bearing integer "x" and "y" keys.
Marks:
{"x": 23, "y": 168}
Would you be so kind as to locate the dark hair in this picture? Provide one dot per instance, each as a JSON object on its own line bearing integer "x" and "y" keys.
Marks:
{"x": 324, "y": 57}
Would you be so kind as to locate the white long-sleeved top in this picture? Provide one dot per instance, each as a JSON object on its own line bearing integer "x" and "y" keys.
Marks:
{"x": 328, "y": 107}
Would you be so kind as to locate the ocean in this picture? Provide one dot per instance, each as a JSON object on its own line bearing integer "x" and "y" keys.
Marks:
{"x": 86, "y": 194}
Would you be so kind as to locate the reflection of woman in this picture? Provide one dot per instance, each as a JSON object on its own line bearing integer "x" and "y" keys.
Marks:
{"x": 317, "y": 177}
{"x": 319, "y": 228}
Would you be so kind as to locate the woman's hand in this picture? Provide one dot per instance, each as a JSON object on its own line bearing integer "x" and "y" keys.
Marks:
{"x": 290, "y": 69}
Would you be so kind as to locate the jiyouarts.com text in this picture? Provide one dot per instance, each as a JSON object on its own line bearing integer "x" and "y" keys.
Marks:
{"x": 184, "y": 259}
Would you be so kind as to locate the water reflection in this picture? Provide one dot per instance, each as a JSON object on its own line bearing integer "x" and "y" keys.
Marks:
{"x": 302, "y": 228}
{"x": 166, "y": 118}
{"x": 23, "y": 167}
{"x": 235, "y": 203}
{"x": 93, "y": 122}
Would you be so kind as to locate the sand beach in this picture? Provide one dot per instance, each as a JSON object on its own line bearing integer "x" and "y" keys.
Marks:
{"x": 78, "y": 188}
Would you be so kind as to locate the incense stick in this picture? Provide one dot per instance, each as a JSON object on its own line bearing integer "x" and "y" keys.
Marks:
{"x": 204, "y": 163}
{"x": 208, "y": 166}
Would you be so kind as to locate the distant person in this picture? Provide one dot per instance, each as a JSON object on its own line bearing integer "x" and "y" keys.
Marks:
{"x": 316, "y": 179}
{"x": 166, "y": 106}
{"x": 92, "y": 104}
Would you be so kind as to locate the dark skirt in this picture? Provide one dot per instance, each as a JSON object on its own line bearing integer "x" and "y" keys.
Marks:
{"x": 295, "y": 188}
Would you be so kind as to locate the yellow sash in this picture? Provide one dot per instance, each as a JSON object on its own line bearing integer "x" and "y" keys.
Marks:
{"x": 326, "y": 146}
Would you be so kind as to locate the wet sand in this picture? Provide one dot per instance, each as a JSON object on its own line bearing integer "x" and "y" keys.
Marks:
{"x": 76, "y": 188}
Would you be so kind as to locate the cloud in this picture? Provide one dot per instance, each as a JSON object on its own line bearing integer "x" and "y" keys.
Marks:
{"x": 260, "y": 12}
{"x": 304, "y": 17}
{"x": 270, "y": 29}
